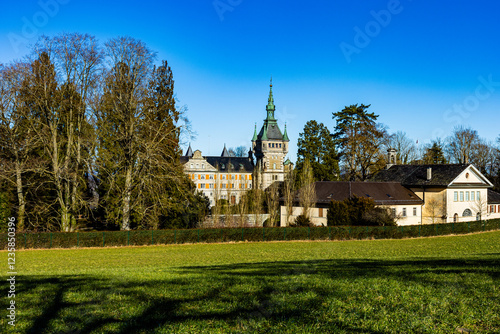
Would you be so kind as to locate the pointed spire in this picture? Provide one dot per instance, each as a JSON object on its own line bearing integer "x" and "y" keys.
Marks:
{"x": 264, "y": 133}
{"x": 285, "y": 135}
{"x": 254, "y": 138}
{"x": 225, "y": 153}
{"x": 270, "y": 102}
{"x": 189, "y": 152}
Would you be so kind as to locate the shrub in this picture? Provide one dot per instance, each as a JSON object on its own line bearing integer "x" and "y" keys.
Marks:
{"x": 358, "y": 211}
{"x": 338, "y": 214}
{"x": 301, "y": 221}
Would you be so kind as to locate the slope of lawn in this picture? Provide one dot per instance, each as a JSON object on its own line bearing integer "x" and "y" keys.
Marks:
{"x": 427, "y": 285}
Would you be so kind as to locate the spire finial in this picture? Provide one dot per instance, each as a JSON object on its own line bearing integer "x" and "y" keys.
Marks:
{"x": 270, "y": 102}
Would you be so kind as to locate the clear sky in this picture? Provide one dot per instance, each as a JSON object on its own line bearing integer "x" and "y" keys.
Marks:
{"x": 424, "y": 66}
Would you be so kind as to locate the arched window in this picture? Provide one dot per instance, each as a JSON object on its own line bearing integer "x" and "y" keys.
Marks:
{"x": 467, "y": 213}
{"x": 455, "y": 217}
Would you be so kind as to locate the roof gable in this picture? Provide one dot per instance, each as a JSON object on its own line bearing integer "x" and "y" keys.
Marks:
{"x": 471, "y": 176}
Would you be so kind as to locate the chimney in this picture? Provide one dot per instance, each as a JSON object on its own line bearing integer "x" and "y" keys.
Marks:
{"x": 429, "y": 173}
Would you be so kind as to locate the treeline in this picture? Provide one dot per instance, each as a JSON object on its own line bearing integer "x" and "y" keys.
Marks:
{"x": 89, "y": 138}
{"x": 356, "y": 148}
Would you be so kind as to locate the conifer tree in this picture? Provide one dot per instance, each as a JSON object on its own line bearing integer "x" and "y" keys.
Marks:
{"x": 359, "y": 139}
{"x": 316, "y": 145}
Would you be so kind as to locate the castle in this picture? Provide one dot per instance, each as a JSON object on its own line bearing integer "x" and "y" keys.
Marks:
{"x": 228, "y": 177}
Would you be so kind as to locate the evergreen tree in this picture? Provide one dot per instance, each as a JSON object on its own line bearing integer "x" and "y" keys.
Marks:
{"x": 434, "y": 154}
{"x": 359, "y": 139}
{"x": 316, "y": 146}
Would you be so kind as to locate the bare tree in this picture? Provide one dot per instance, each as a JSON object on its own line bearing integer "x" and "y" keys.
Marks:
{"x": 257, "y": 196}
{"x": 272, "y": 199}
{"x": 405, "y": 147}
{"x": 461, "y": 144}
{"x": 483, "y": 156}
{"x": 241, "y": 151}
{"x": 242, "y": 210}
{"x": 435, "y": 209}
{"x": 215, "y": 210}
{"x": 307, "y": 194}
{"x": 289, "y": 193}
{"x": 480, "y": 206}
{"x": 53, "y": 109}
{"x": 16, "y": 139}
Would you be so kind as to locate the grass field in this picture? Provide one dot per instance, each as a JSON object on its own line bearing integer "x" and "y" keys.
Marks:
{"x": 433, "y": 285}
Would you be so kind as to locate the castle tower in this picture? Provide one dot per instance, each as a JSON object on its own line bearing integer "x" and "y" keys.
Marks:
{"x": 270, "y": 147}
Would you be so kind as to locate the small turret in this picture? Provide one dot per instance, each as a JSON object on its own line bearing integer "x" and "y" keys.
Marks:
{"x": 285, "y": 135}
{"x": 189, "y": 152}
{"x": 225, "y": 153}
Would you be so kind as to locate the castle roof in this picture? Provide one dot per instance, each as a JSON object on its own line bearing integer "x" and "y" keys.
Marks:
{"x": 270, "y": 129}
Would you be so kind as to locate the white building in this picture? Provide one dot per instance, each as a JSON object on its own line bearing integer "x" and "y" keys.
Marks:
{"x": 403, "y": 203}
{"x": 451, "y": 192}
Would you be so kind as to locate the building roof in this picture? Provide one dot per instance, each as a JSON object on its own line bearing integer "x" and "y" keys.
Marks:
{"x": 225, "y": 153}
{"x": 493, "y": 197}
{"x": 189, "y": 152}
{"x": 231, "y": 164}
{"x": 383, "y": 193}
{"x": 416, "y": 175}
{"x": 224, "y": 163}
{"x": 270, "y": 129}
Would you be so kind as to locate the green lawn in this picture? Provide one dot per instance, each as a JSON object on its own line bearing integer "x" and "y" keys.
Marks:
{"x": 433, "y": 285}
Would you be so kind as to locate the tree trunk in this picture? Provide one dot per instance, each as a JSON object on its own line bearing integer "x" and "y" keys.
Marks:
{"x": 126, "y": 200}
{"x": 20, "y": 198}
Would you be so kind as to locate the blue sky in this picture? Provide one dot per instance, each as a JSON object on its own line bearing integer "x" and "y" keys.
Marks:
{"x": 424, "y": 66}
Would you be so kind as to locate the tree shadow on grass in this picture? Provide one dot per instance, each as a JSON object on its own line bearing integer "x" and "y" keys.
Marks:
{"x": 213, "y": 297}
